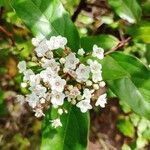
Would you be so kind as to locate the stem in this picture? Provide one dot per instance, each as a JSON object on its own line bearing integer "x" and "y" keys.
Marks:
{"x": 8, "y": 34}
{"x": 120, "y": 45}
{"x": 81, "y": 5}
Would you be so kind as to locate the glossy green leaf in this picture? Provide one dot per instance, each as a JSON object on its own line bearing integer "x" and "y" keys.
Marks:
{"x": 140, "y": 32}
{"x": 148, "y": 53}
{"x": 129, "y": 79}
{"x": 127, "y": 9}
{"x": 47, "y": 17}
{"x": 71, "y": 136}
{"x": 125, "y": 127}
{"x": 5, "y": 4}
{"x": 104, "y": 41}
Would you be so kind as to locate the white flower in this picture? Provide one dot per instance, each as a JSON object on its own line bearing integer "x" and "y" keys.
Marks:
{"x": 71, "y": 61}
{"x": 58, "y": 84}
{"x": 62, "y": 41}
{"x": 42, "y": 48}
{"x": 47, "y": 75}
{"x": 95, "y": 67}
{"x": 51, "y": 63}
{"x": 82, "y": 73}
{"x": 27, "y": 75}
{"x": 21, "y": 99}
{"x": 84, "y": 105}
{"x": 57, "y": 98}
{"x": 96, "y": 77}
{"x": 22, "y": 66}
{"x": 56, "y": 42}
{"x": 81, "y": 52}
{"x": 38, "y": 113}
{"x": 49, "y": 54}
{"x": 36, "y": 41}
{"x": 87, "y": 94}
{"x": 32, "y": 100}
{"x": 98, "y": 52}
{"x": 39, "y": 90}
{"x": 56, "y": 123}
{"x": 74, "y": 92}
{"x": 34, "y": 79}
{"x": 101, "y": 100}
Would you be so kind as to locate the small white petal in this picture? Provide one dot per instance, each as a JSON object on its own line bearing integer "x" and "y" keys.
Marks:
{"x": 71, "y": 61}
{"x": 38, "y": 113}
{"x": 84, "y": 105}
{"x": 81, "y": 52}
{"x": 56, "y": 123}
{"x": 22, "y": 66}
{"x": 98, "y": 52}
{"x": 82, "y": 73}
{"x": 101, "y": 100}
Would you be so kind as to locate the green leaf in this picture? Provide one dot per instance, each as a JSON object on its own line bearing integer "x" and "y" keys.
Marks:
{"x": 140, "y": 32}
{"x": 129, "y": 79}
{"x": 125, "y": 147}
{"x": 148, "y": 53}
{"x": 146, "y": 134}
{"x": 3, "y": 108}
{"x": 47, "y": 17}
{"x": 5, "y": 4}
{"x": 125, "y": 127}
{"x": 127, "y": 9}
{"x": 71, "y": 136}
{"x": 104, "y": 41}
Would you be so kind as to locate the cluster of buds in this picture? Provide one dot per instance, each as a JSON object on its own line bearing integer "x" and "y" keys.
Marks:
{"x": 64, "y": 76}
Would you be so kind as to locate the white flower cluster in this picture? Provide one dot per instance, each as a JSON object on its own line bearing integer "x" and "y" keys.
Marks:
{"x": 72, "y": 77}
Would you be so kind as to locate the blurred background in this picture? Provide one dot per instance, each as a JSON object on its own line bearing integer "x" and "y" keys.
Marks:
{"x": 115, "y": 127}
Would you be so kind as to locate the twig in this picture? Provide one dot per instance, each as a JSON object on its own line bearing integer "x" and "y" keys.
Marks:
{"x": 81, "y": 5}
{"x": 10, "y": 36}
{"x": 120, "y": 45}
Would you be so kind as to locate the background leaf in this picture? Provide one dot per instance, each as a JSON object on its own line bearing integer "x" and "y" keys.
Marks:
{"x": 140, "y": 32}
{"x": 127, "y": 9}
{"x": 47, "y": 18}
{"x": 125, "y": 127}
{"x": 129, "y": 79}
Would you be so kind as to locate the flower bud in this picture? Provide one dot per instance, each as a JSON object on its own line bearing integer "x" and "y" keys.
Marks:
{"x": 96, "y": 86}
{"x": 88, "y": 83}
{"x": 60, "y": 111}
{"x": 62, "y": 60}
{"x": 102, "y": 84}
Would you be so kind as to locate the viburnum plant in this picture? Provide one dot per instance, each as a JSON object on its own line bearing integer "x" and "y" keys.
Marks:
{"x": 71, "y": 70}
{"x": 76, "y": 79}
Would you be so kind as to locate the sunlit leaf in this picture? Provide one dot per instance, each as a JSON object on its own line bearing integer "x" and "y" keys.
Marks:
{"x": 127, "y": 9}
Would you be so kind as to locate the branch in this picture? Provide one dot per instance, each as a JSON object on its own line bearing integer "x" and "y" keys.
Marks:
{"x": 120, "y": 45}
{"x": 81, "y": 5}
{"x": 8, "y": 34}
